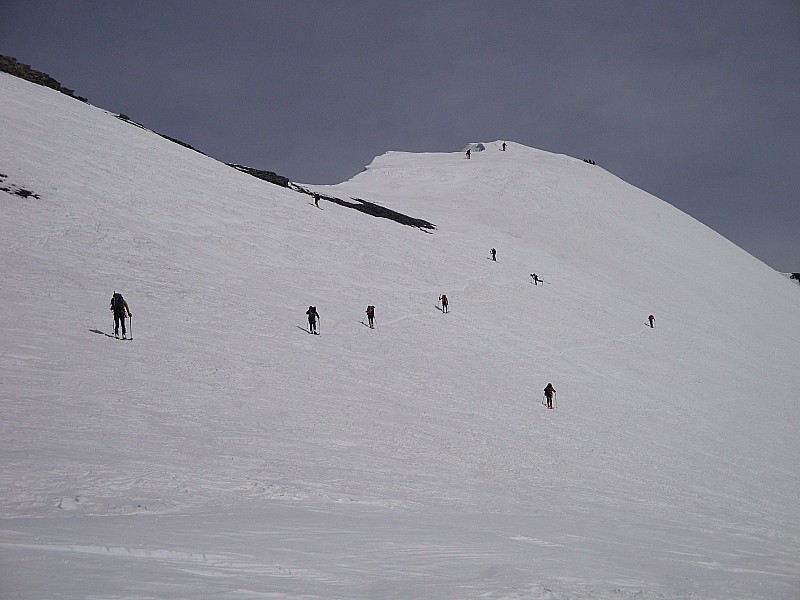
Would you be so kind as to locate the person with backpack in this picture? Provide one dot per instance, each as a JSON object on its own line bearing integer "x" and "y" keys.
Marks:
{"x": 652, "y": 320}
{"x": 443, "y": 300}
{"x": 504, "y": 146}
{"x": 494, "y": 255}
{"x": 371, "y": 316}
{"x": 549, "y": 392}
{"x": 119, "y": 305}
{"x": 469, "y": 152}
{"x": 316, "y": 200}
{"x": 313, "y": 315}
{"x": 536, "y": 279}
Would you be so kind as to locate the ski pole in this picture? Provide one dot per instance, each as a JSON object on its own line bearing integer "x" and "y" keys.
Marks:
{"x": 130, "y": 325}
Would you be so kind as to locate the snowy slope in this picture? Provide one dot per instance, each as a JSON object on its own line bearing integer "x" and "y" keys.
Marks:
{"x": 226, "y": 453}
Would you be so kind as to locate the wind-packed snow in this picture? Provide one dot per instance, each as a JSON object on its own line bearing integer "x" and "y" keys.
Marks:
{"x": 226, "y": 453}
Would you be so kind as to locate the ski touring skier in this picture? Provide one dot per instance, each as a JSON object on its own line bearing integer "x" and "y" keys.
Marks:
{"x": 549, "y": 394}
{"x": 652, "y": 320}
{"x": 504, "y": 146}
{"x": 494, "y": 255}
{"x": 120, "y": 306}
{"x": 313, "y": 315}
{"x": 536, "y": 279}
{"x": 371, "y": 316}
{"x": 443, "y": 300}
{"x": 316, "y": 200}
{"x": 469, "y": 152}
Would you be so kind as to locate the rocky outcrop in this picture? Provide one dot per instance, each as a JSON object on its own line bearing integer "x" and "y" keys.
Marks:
{"x": 10, "y": 65}
{"x": 127, "y": 119}
{"x": 269, "y": 176}
{"x": 370, "y": 208}
{"x": 15, "y": 189}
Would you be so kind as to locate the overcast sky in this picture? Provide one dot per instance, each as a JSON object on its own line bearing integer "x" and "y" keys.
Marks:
{"x": 696, "y": 102}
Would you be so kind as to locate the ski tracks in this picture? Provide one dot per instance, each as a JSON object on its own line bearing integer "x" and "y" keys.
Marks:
{"x": 207, "y": 564}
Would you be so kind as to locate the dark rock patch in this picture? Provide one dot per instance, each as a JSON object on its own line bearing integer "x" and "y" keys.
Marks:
{"x": 127, "y": 119}
{"x": 269, "y": 176}
{"x": 16, "y": 190}
{"x": 130, "y": 121}
{"x": 370, "y": 208}
{"x": 10, "y": 65}
{"x": 25, "y": 193}
{"x": 180, "y": 143}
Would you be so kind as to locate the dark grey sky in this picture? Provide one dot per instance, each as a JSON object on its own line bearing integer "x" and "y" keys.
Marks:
{"x": 696, "y": 102}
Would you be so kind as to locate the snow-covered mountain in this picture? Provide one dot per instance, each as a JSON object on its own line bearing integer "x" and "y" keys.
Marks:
{"x": 227, "y": 453}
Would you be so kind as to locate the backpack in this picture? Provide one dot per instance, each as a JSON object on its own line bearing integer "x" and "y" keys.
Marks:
{"x": 118, "y": 302}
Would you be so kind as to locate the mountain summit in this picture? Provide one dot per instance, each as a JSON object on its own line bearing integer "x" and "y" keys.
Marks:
{"x": 227, "y": 453}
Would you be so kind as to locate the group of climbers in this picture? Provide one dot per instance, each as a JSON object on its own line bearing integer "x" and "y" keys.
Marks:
{"x": 120, "y": 307}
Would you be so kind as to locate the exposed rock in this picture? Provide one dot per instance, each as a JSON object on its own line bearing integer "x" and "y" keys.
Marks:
{"x": 127, "y": 119}
{"x": 370, "y": 208}
{"x": 11, "y": 65}
{"x": 15, "y": 189}
{"x": 180, "y": 143}
{"x": 269, "y": 176}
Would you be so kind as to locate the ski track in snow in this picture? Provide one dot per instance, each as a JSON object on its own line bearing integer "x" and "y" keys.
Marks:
{"x": 224, "y": 454}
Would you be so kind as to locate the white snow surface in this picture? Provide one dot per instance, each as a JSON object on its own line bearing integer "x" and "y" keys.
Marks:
{"x": 225, "y": 453}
